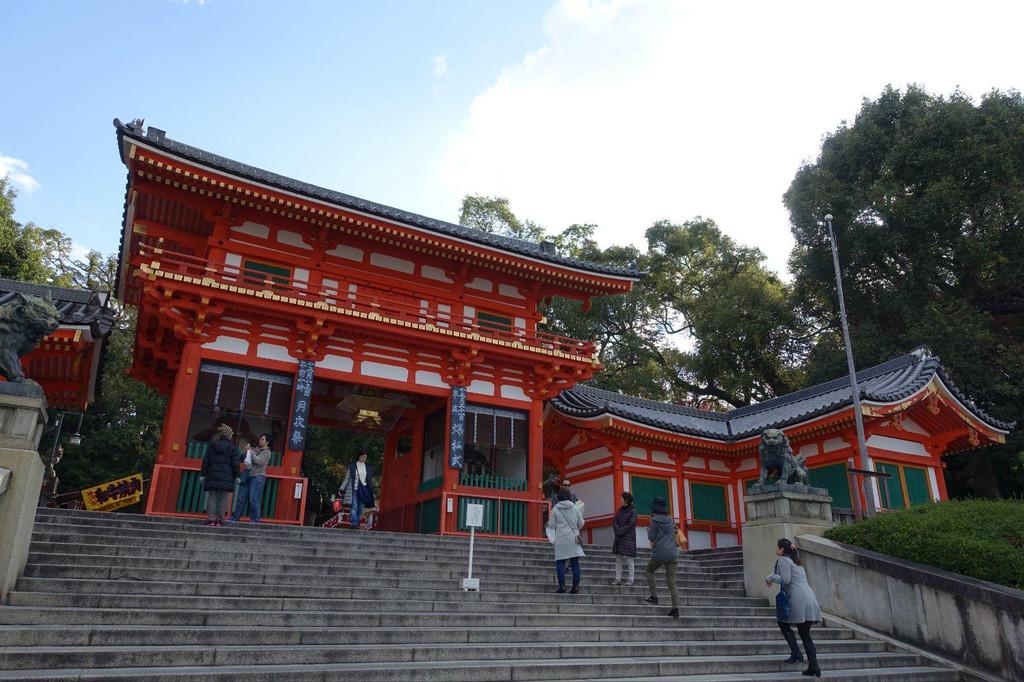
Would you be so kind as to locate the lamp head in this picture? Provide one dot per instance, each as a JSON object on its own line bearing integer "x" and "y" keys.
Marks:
{"x": 828, "y": 217}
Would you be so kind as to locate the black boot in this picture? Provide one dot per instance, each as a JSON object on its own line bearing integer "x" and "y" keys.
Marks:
{"x": 560, "y": 590}
{"x": 575, "y": 588}
{"x": 795, "y": 656}
{"x": 812, "y": 653}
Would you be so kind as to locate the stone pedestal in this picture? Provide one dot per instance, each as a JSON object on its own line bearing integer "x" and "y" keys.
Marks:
{"x": 22, "y": 416}
{"x": 781, "y": 511}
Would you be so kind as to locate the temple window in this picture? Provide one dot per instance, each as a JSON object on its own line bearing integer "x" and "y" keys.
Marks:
{"x": 644, "y": 489}
{"x": 905, "y": 483}
{"x": 496, "y": 447}
{"x": 257, "y": 273}
{"x": 708, "y": 502}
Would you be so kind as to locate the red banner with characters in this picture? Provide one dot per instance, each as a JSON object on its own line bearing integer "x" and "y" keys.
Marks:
{"x": 114, "y": 495}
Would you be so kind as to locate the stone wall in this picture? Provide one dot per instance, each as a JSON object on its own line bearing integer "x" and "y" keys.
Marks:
{"x": 977, "y": 623}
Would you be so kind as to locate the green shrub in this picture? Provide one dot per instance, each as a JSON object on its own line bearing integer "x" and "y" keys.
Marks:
{"x": 978, "y": 538}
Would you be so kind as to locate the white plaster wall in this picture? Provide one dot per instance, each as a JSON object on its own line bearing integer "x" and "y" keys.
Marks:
{"x": 336, "y": 362}
{"x": 746, "y": 464}
{"x": 347, "y": 252}
{"x": 292, "y": 239}
{"x": 726, "y": 539}
{"x": 228, "y": 344}
{"x": 300, "y": 275}
{"x": 587, "y": 457}
{"x": 430, "y": 272}
{"x": 481, "y": 284}
{"x": 913, "y": 427}
{"x": 271, "y": 351}
{"x": 514, "y": 393}
{"x": 661, "y": 458}
{"x": 424, "y": 378}
{"x": 699, "y": 539}
{"x": 509, "y": 290}
{"x": 598, "y": 495}
{"x": 641, "y": 541}
{"x": 481, "y": 387}
{"x": 696, "y": 462}
{"x": 809, "y": 450}
{"x": 253, "y": 229}
{"x": 602, "y": 536}
{"x": 833, "y": 444}
{"x": 908, "y": 447}
{"x": 376, "y": 369}
{"x": 392, "y": 263}
{"x": 717, "y": 465}
{"x": 233, "y": 260}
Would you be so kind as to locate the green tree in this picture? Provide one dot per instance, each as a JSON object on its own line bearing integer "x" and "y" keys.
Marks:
{"x": 28, "y": 253}
{"x": 493, "y": 214}
{"x": 928, "y": 198}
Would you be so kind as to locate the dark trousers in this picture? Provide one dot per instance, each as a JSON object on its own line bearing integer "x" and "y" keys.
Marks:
{"x": 805, "y": 636}
{"x": 560, "y": 567}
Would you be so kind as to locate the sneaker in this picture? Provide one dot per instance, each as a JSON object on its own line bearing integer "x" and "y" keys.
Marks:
{"x": 651, "y": 600}
{"x": 629, "y": 582}
{"x": 674, "y": 613}
{"x": 616, "y": 582}
{"x": 210, "y": 522}
{"x": 216, "y": 524}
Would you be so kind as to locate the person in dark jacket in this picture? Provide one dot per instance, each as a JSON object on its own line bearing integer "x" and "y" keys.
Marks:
{"x": 624, "y": 545}
{"x": 219, "y": 474}
{"x": 662, "y": 534}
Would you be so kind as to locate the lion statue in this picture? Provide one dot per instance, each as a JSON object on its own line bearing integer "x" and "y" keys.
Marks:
{"x": 777, "y": 456}
{"x": 24, "y": 321}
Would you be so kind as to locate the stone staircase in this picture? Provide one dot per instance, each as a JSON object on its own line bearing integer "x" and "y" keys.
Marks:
{"x": 126, "y": 597}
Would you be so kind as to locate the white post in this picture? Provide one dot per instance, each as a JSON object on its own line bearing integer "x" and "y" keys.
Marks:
{"x": 474, "y": 519}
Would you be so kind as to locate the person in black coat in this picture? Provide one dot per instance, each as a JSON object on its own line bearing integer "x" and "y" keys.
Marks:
{"x": 624, "y": 545}
{"x": 219, "y": 474}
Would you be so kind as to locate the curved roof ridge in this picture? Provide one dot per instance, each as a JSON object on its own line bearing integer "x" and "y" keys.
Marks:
{"x": 658, "y": 405}
{"x": 157, "y": 138}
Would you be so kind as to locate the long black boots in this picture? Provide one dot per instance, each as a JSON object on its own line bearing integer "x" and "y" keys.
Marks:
{"x": 812, "y": 651}
{"x": 787, "y": 632}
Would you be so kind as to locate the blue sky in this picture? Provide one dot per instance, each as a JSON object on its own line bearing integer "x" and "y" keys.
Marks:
{"x": 614, "y": 112}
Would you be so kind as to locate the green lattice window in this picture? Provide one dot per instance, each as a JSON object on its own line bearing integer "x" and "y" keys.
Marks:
{"x": 917, "y": 485}
{"x": 501, "y": 323}
{"x": 708, "y": 502}
{"x": 834, "y": 479}
{"x": 891, "y": 488}
{"x": 644, "y": 491}
{"x": 257, "y": 273}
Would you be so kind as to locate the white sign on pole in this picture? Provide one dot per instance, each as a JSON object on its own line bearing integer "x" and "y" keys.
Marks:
{"x": 298, "y": 491}
{"x": 474, "y": 515}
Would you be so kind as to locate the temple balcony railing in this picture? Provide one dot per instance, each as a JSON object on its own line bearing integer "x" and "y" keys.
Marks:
{"x": 366, "y": 302}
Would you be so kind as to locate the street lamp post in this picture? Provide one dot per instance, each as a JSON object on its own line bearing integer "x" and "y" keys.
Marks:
{"x": 862, "y": 451}
{"x": 50, "y": 478}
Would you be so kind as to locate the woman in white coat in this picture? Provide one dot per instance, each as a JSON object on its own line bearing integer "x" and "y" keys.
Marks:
{"x": 803, "y": 605}
{"x": 563, "y": 529}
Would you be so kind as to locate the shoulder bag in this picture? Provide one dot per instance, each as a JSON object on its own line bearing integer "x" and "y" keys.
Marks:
{"x": 579, "y": 540}
{"x": 681, "y": 540}
{"x": 782, "y": 609}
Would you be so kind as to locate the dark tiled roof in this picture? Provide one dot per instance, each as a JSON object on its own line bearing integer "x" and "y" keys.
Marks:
{"x": 157, "y": 138}
{"x": 78, "y": 307}
{"x": 885, "y": 383}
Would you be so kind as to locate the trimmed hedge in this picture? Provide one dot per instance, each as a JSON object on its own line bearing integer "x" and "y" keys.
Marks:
{"x": 978, "y": 538}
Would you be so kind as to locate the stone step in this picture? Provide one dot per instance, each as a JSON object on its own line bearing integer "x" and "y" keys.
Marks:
{"x": 114, "y": 635}
{"x": 897, "y": 674}
{"x": 515, "y": 669}
{"x": 589, "y": 594}
{"x": 25, "y": 615}
{"x": 340, "y": 571}
{"x": 135, "y": 656}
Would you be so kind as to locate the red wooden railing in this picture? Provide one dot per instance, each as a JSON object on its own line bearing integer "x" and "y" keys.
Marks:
{"x": 366, "y": 301}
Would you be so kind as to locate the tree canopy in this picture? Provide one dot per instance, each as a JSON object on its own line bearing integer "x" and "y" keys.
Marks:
{"x": 927, "y": 195}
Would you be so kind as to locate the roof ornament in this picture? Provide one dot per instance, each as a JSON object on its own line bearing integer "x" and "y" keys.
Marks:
{"x": 136, "y": 125}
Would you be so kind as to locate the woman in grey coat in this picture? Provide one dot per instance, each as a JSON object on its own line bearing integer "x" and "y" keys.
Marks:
{"x": 662, "y": 534}
{"x": 563, "y": 529}
{"x": 803, "y": 606}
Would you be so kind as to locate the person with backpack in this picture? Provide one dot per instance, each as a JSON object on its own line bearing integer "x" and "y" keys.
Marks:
{"x": 664, "y": 552}
{"x": 219, "y": 474}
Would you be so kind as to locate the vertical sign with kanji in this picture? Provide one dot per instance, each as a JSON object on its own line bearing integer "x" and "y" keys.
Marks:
{"x": 457, "y": 438}
{"x": 300, "y": 406}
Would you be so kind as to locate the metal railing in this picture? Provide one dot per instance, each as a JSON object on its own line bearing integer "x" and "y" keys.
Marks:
{"x": 366, "y": 301}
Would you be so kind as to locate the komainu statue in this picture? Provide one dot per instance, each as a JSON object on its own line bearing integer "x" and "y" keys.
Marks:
{"x": 777, "y": 456}
{"x": 24, "y": 321}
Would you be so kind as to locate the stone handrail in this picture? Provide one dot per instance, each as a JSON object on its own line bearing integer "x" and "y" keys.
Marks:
{"x": 974, "y": 622}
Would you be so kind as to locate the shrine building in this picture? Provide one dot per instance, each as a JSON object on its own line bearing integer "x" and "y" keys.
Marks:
{"x": 66, "y": 363}
{"x": 271, "y": 305}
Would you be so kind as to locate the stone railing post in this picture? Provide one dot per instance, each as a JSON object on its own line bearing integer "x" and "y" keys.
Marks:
{"x": 22, "y": 416}
{"x": 781, "y": 511}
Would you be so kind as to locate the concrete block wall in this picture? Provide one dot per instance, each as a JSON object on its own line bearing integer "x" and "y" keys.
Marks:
{"x": 976, "y": 623}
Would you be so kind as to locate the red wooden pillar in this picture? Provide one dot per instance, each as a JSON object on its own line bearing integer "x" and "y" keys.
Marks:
{"x": 163, "y": 486}
{"x": 535, "y": 466}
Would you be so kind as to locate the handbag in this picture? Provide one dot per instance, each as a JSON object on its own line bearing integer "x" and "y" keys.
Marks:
{"x": 681, "y": 540}
{"x": 782, "y": 609}
{"x": 365, "y": 496}
{"x": 579, "y": 540}
{"x": 243, "y": 478}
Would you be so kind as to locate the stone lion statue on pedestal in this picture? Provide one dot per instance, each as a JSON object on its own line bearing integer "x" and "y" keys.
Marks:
{"x": 24, "y": 321}
{"x": 777, "y": 456}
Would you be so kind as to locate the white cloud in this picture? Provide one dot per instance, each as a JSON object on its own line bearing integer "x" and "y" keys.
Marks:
{"x": 440, "y": 62}
{"x": 16, "y": 171}
{"x": 638, "y": 110}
